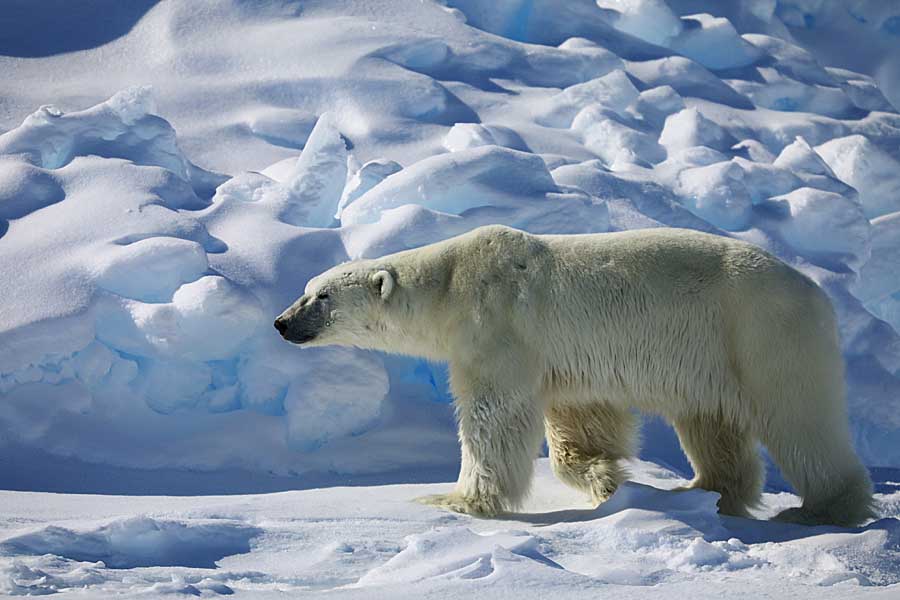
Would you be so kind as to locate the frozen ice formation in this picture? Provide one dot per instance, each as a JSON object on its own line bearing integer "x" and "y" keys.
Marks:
{"x": 139, "y": 288}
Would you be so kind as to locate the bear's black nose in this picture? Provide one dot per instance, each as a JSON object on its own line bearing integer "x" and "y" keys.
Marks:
{"x": 281, "y": 326}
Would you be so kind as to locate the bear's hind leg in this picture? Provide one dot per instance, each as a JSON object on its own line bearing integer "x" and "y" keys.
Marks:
{"x": 586, "y": 444}
{"x": 725, "y": 460}
{"x": 816, "y": 457}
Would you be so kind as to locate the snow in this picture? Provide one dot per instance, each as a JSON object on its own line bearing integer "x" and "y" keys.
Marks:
{"x": 375, "y": 542}
{"x": 173, "y": 173}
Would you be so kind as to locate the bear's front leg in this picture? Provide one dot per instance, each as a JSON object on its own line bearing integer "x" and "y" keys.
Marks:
{"x": 500, "y": 431}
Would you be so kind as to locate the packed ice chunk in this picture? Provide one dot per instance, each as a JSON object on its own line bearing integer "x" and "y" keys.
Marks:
{"x": 124, "y": 126}
{"x": 655, "y": 104}
{"x": 613, "y": 91}
{"x": 753, "y": 150}
{"x": 804, "y": 162}
{"x": 314, "y": 188}
{"x": 456, "y": 182}
{"x": 467, "y": 135}
{"x": 824, "y": 223}
{"x": 368, "y": 176}
{"x": 718, "y": 194}
{"x": 479, "y": 61}
{"x": 799, "y": 156}
{"x": 649, "y": 20}
{"x": 209, "y": 319}
{"x": 600, "y": 61}
{"x": 402, "y": 228}
{"x": 632, "y": 202}
{"x": 150, "y": 269}
{"x": 172, "y": 385}
{"x": 869, "y": 169}
{"x": 261, "y": 387}
{"x": 613, "y": 141}
{"x": 774, "y": 90}
{"x": 713, "y": 42}
{"x": 688, "y": 78}
{"x": 878, "y": 286}
{"x": 791, "y": 60}
{"x": 251, "y": 186}
{"x": 764, "y": 180}
{"x": 549, "y": 22}
{"x": 339, "y": 392}
{"x": 862, "y": 90}
{"x": 689, "y": 127}
{"x": 93, "y": 363}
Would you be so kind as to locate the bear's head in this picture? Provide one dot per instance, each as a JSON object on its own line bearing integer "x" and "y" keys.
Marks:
{"x": 343, "y": 306}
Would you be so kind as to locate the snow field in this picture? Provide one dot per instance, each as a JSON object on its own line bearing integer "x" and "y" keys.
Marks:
{"x": 374, "y": 542}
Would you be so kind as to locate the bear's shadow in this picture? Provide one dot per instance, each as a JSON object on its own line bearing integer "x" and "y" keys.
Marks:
{"x": 694, "y": 509}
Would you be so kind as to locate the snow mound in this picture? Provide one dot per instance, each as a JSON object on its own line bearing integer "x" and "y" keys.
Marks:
{"x": 872, "y": 171}
{"x": 125, "y": 126}
{"x": 455, "y": 553}
{"x": 139, "y": 542}
{"x": 483, "y": 177}
{"x": 613, "y": 91}
{"x": 688, "y": 128}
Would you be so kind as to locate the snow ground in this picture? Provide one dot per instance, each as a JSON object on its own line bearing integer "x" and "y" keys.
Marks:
{"x": 171, "y": 174}
{"x": 374, "y": 542}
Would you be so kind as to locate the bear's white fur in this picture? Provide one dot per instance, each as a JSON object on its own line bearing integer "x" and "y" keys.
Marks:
{"x": 566, "y": 334}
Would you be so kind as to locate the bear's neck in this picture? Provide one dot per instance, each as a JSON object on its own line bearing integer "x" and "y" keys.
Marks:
{"x": 422, "y": 321}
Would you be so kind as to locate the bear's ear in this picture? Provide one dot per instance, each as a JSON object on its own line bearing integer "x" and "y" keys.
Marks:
{"x": 384, "y": 283}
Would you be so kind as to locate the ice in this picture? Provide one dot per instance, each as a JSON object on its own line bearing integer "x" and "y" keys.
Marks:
{"x": 655, "y": 104}
{"x": 613, "y": 141}
{"x": 342, "y": 394}
{"x": 468, "y": 135}
{"x": 138, "y": 542}
{"x": 209, "y": 318}
{"x": 879, "y": 285}
{"x": 368, "y": 176}
{"x": 650, "y": 20}
{"x": 688, "y": 78}
{"x": 150, "y": 269}
{"x": 717, "y": 193}
{"x": 613, "y": 91}
{"x": 483, "y": 176}
{"x": 689, "y": 127}
{"x": 799, "y": 156}
{"x": 780, "y": 92}
{"x": 124, "y": 126}
{"x": 314, "y": 189}
{"x": 872, "y": 171}
{"x": 824, "y": 223}
{"x": 713, "y": 42}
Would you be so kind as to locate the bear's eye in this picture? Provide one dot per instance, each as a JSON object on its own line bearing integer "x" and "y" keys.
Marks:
{"x": 322, "y": 295}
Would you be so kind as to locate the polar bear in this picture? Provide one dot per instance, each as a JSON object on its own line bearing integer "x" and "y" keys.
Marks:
{"x": 565, "y": 335}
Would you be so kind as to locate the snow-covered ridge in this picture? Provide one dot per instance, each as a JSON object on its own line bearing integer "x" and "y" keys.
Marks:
{"x": 135, "y": 325}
